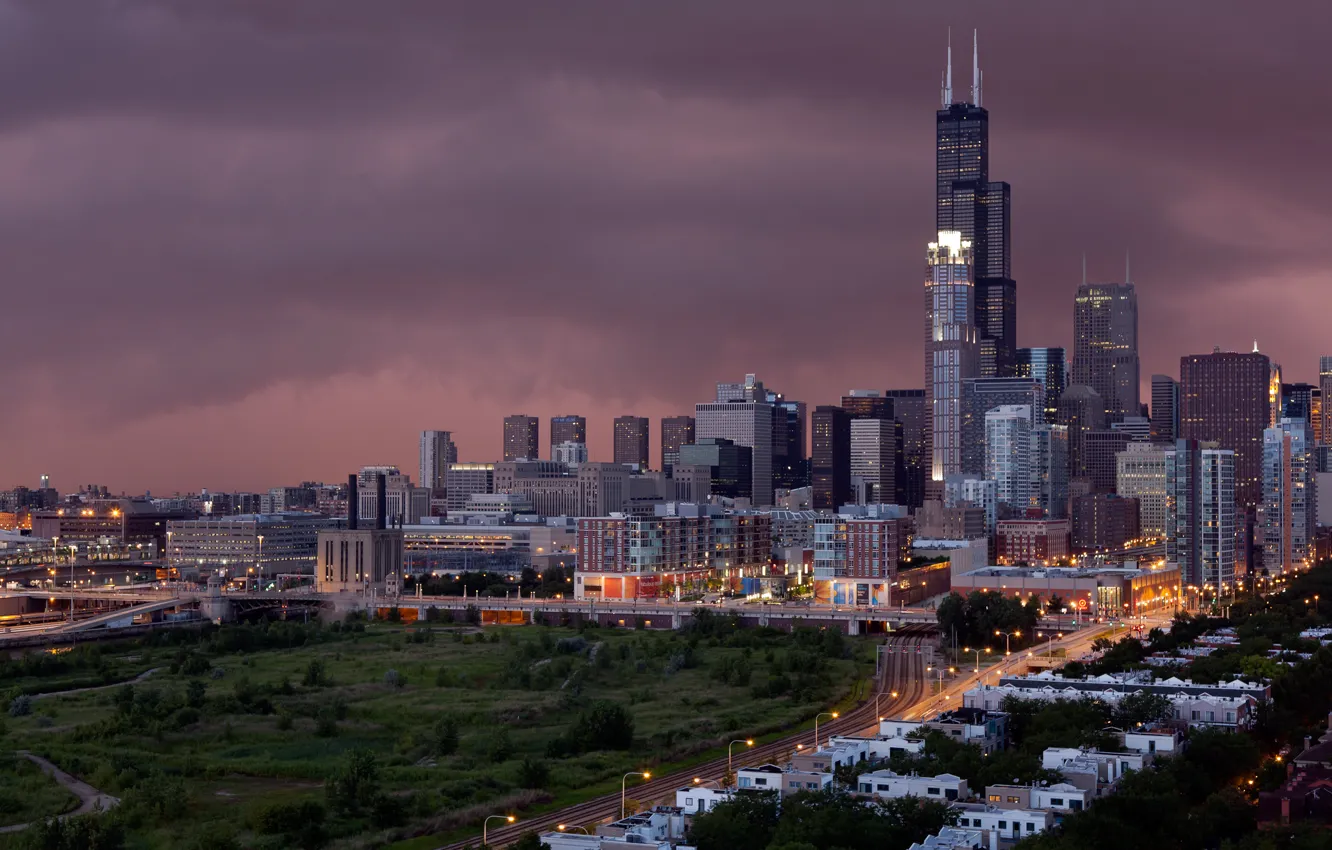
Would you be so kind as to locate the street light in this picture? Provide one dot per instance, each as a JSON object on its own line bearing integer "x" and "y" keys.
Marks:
{"x": 485, "y": 826}
{"x": 976, "y": 669}
{"x": 831, "y": 714}
{"x": 565, "y": 827}
{"x": 698, "y": 781}
{"x": 1007, "y": 635}
{"x": 748, "y": 742}
{"x": 261, "y": 561}
{"x": 624, "y": 779}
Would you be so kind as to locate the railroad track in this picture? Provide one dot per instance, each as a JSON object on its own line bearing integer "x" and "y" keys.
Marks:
{"x": 902, "y": 673}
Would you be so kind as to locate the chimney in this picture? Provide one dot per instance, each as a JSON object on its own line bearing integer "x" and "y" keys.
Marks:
{"x": 381, "y": 502}
{"x": 353, "y": 502}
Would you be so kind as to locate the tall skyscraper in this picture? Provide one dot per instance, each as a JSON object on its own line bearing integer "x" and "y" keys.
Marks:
{"x": 676, "y": 431}
{"x": 1008, "y": 456}
{"x": 1290, "y": 505}
{"x": 437, "y": 452}
{"x": 730, "y": 466}
{"x": 968, "y": 202}
{"x": 631, "y": 440}
{"x": 568, "y": 429}
{"x": 790, "y": 467}
{"x": 950, "y": 347}
{"x": 1297, "y": 402}
{"x": 1105, "y": 345}
{"x": 909, "y": 411}
{"x": 1048, "y": 491}
{"x": 522, "y": 440}
{"x": 1099, "y": 458}
{"x": 746, "y": 423}
{"x": 980, "y": 396}
{"x": 1201, "y": 530}
{"x": 1081, "y": 410}
{"x": 867, "y": 404}
{"x": 1048, "y": 366}
{"x": 1165, "y": 409}
{"x": 830, "y": 457}
{"x": 1325, "y": 387}
{"x": 1225, "y": 398}
{"x": 876, "y": 457}
{"x": 1140, "y": 473}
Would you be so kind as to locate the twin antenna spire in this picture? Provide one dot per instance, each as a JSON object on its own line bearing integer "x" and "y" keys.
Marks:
{"x": 976, "y": 75}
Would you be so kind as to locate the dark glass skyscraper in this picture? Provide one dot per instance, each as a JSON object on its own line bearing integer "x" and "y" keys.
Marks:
{"x": 966, "y": 200}
{"x": 1048, "y": 366}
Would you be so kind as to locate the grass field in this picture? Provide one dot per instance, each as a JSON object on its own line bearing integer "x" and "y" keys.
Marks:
{"x": 27, "y": 794}
{"x": 231, "y": 739}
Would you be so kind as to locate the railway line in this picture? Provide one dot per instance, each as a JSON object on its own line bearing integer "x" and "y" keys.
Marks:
{"x": 902, "y": 673}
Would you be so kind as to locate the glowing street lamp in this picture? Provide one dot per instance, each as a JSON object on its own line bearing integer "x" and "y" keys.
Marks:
{"x": 485, "y": 827}
{"x": 831, "y": 714}
{"x": 624, "y": 779}
{"x": 748, "y": 742}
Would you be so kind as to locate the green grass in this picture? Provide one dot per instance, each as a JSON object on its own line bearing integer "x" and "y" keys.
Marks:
{"x": 229, "y": 761}
{"x": 28, "y": 794}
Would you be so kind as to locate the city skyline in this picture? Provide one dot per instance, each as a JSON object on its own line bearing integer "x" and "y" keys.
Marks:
{"x": 240, "y": 309}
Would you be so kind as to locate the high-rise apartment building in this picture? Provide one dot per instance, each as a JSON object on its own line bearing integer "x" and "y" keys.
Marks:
{"x": 1290, "y": 507}
{"x": 1165, "y": 409}
{"x": 522, "y": 440}
{"x": 468, "y": 479}
{"x": 437, "y": 452}
{"x": 1008, "y": 456}
{"x": 746, "y": 423}
{"x": 980, "y": 396}
{"x": 1103, "y": 522}
{"x": 980, "y": 210}
{"x": 1048, "y": 458}
{"x": 1140, "y": 474}
{"x": 1100, "y": 452}
{"x": 950, "y": 347}
{"x": 1225, "y": 397}
{"x": 972, "y": 491}
{"x": 876, "y": 457}
{"x": 631, "y": 440}
{"x": 676, "y": 431}
{"x": 830, "y": 457}
{"x": 1298, "y": 402}
{"x": 909, "y": 411}
{"x": 1201, "y": 530}
{"x": 790, "y": 466}
{"x": 1325, "y": 391}
{"x": 1105, "y": 345}
{"x": 730, "y": 467}
{"x": 570, "y": 428}
{"x": 1048, "y": 366}
{"x": 1081, "y": 410}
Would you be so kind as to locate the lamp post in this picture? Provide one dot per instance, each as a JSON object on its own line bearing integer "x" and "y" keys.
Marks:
{"x": 1049, "y": 643}
{"x": 1007, "y": 635}
{"x": 976, "y": 669}
{"x": 485, "y": 827}
{"x": 941, "y": 672}
{"x": 748, "y": 742}
{"x": 700, "y": 782}
{"x": 623, "y": 780}
{"x": 564, "y": 827}
{"x": 260, "y": 565}
{"x": 831, "y": 714}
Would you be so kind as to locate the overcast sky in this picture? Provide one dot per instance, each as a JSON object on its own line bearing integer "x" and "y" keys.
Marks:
{"x": 250, "y": 243}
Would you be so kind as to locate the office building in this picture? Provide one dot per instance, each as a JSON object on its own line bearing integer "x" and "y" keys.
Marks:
{"x": 745, "y": 423}
{"x": 970, "y": 491}
{"x": 405, "y": 503}
{"x": 1032, "y": 541}
{"x": 867, "y": 404}
{"x": 1103, "y": 522}
{"x": 253, "y": 546}
{"x": 1048, "y": 366}
{"x": 1304, "y": 403}
{"x": 1325, "y": 392}
{"x": 570, "y": 428}
{"x": 437, "y": 452}
{"x": 876, "y": 458}
{"x": 790, "y": 466}
{"x": 569, "y": 453}
{"x": 981, "y": 395}
{"x": 1008, "y": 457}
{"x": 1225, "y": 397}
{"x": 730, "y": 467}
{"x": 1289, "y": 508}
{"x": 1081, "y": 410}
{"x": 468, "y": 479}
{"x": 594, "y": 489}
{"x": 361, "y": 556}
{"x": 968, "y": 203}
{"x": 1105, "y": 345}
{"x": 676, "y": 431}
{"x": 1136, "y": 427}
{"x": 950, "y": 348}
{"x": 102, "y": 521}
{"x": 521, "y": 437}
{"x": 1048, "y": 459}
{"x": 1201, "y": 532}
{"x": 935, "y": 521}
{"x": 631, "y": 441}
{"x": 1140, "y": 473}
{"x": 1165, "y": 409}
{"x": 830, "y": 457}
{"x": 1100, "y": 458}
{"x": 909, "y": 411}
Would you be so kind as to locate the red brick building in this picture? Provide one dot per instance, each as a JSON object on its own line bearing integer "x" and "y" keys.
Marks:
{"x": 1031, "y": 541}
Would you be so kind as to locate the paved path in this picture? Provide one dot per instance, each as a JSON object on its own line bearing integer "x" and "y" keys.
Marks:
{"x": 90, "y": 799}
{"x": 136, "y": 680}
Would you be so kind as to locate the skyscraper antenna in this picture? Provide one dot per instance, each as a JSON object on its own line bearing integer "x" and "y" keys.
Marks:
{"x": 1084, "y": 268}
{"x": 1127, "y": 279}
{"x": 948, "y": 74}
{"x": 975, "y": 69}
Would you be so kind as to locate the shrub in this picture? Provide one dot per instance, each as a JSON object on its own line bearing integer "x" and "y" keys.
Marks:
{"x": 20, "y": 706}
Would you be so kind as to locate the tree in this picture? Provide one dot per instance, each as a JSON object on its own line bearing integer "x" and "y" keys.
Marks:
{"x": 605, "y": 725}
{"x": 745, "y": 822}
{"x": 445, "y": 736}
{"x": 533, "y": 773}
{"x": 354, "y": 785}
{"x": 1141, "y": 709}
